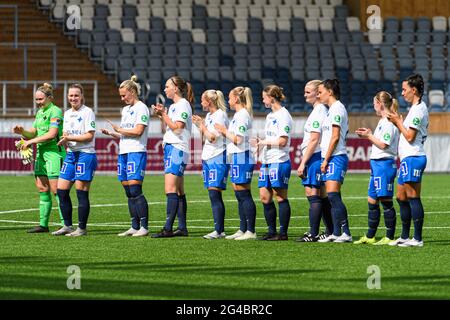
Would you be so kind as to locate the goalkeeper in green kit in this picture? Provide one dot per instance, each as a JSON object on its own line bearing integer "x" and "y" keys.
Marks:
{"x": 46, "y": 132}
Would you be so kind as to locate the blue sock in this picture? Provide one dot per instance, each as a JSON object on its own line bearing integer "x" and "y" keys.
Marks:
{"x": 181, "y": 212}
{"x": 389, "y": 218}
{"x": 218, "y": 209}
{"x": 83, "y": 208}
{"x": 172, "y": 209}
{"x": 140, "y": 204}
{"x": 242, "y": 218}
{"x": 326, "y": 215}
{"x": 405, "y": 215}
{"x": 417, "y": 214}
{"x": 65, "y": 204}
{"x": 285, "y": 216}
{"x": 248, "y": 208}
{"x": 270, "y": 213}
{"x": 340, "y": 214}
{"x": 131, "y": 208}
{"x": 374, "y": 219}
{"x": 315, "y": 213}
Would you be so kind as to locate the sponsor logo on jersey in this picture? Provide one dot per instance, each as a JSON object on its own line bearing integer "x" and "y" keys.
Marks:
{"x": 144, "y": 118}
{"x": 184, "y": 115}
{"x": 416, "y": 121}
{"x": 287, "y": 129}
{"x": 316, "y": 124}
{"x": 242, "y": 129}
{"x": 387, "y": 137}
{"x": 93, "y": 124}
{"x": 337, "y": 118}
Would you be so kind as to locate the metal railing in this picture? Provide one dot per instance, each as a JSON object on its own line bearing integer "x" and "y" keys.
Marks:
{"x": 36, "y": 84}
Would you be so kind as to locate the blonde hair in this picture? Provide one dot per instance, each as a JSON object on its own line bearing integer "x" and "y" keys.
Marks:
{"x": 314, "y": 83}
{"x": 275, "y": 92}
{"x": 245, "y": 98}
{"x": 132, "y": 85}
{"x": 217, "y": 98}
{"x": 390, "y": 103}
{"x": 46, "y": 89}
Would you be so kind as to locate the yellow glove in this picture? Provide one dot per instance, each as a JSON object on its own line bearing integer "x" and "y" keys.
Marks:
{"x": 27, "y": 154}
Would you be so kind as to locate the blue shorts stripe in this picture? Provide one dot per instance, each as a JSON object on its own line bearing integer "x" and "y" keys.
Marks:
{"x": 381, "y": 184}
{"x": 411, "y": 169}
{"x": 175, "y": 160}
{"x": 131, "y": 166}
{"x": 275, "y": 175}
{"x": 79, "y": 166}
{"x": 312, "y": 170}
{"x": 337, "y": 168}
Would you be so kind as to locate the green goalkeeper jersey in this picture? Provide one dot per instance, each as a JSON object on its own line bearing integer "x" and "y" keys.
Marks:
{"x": 49, "y": 117}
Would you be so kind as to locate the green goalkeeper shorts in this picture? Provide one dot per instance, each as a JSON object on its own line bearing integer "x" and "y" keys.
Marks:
{"x": 48, "y": 163}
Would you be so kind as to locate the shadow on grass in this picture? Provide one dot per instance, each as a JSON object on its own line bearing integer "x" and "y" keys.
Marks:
{"x": 438, "y": 242}
{"x": 143, "y": 280}
{"x": 47, "y": 287}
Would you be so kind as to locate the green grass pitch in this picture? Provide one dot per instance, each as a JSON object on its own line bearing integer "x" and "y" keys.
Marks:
{"x": 34, "y": 266}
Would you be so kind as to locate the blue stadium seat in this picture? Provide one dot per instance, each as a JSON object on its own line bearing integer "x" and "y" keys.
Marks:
{"x": 391, "y": 24}
{"x": 298, "y": 25}
{"x": 439, "y": 37}
{"x": 391, "y": 37}
{"x": 341, "y": 11}
{"x": 129, "y": 10}
{"x": 101, "y": 11}
{"x": 183, "y": 61}
{"x": 198, "y": 62}
{"x": 424, "y": 24}
{"x": 408, "y": 24}
{"x": 407, "y": 37}
{"x": 129, "y": 22}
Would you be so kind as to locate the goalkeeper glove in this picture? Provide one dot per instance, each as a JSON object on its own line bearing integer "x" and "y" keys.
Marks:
{"x": 26, "y": 154}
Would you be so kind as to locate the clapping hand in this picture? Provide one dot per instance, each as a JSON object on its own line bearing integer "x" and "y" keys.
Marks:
{"x": 363, "y": 132}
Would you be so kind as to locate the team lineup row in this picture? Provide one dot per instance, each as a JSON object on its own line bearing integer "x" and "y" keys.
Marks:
{"x": 229, "y": 149}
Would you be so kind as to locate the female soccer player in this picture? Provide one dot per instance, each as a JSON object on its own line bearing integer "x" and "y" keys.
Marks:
{"x": 383, "y": 169}
{"x": 214, "y": 156}
{"x": 309, "y": 168}
{"x": 133, "y": 135}
{"x": 275, "y": 170}
{"x": 80, "y": 162}
{"x": 242, "y": 162}
{"x": 178, "y": 121}
{"x": 334, "y": 157}
{"x": 413, "y": 133}
{"x": 46, "y": 132}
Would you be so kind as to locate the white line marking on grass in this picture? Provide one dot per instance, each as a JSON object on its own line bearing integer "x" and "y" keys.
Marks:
{"x": 31, "y": 223}
{"x": 203, "y": 201}
{"x": 124, "y": 224}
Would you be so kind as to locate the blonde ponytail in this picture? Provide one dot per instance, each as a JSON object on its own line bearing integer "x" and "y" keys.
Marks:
{"x": 386, "y": 99}
{"x": 132, "y": 86}
{"x": 46, "y": 89}
{"x": 395, "y": 105}
{"x": 216, "y": 98}
{"x": 245, "y": 98}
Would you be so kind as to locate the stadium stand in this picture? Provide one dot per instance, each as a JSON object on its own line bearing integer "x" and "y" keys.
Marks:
{"x": 218, "y": 43}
